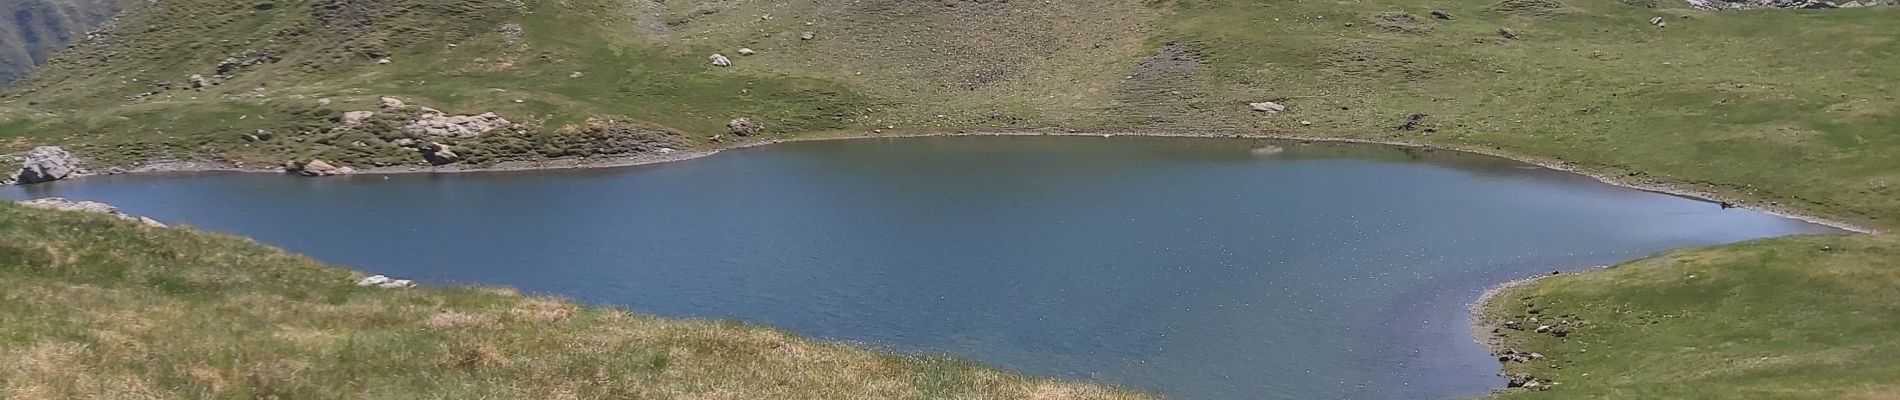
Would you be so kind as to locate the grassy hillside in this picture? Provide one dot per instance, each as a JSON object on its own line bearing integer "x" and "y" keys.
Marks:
{"x": 1805, "y": 318}
{"x": 96, "y": 307}
{"x": 31, "y": 31}
{"x": 1791, "y": 108}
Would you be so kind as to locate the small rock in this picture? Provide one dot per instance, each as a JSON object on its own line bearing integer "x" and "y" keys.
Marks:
{"x": 720, "y": 60}
{"x": 1518, "y": 380}
{"x": 1543, "y": 329}
{"x": 354, "y": 118}
{"x": 1306, "y": 123}
{"x": 392, "y": 103}
{"x": 323, "y": 102}
{"x": 383, "y": 61}
{"x": 576, "y": 74}
{"x": 1413, "y": 121}
{"x": 1658, "y": 22}
{"x": 1507, "y": 33}
{"x": 807, "y": 35}
{"x": 746, "y": 51}
{"x": 1441, "y": 14}
{"x": 404, "y": 142}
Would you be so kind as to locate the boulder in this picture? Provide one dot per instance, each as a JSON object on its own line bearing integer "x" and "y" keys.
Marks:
{"x": 60, "y": 204}
{"x": 319, "y": 168}
{"x": 744, "y": 127}
{"x": 720, "y": 60}
{"x": 45, "y": 164}
{"x": 438, "y": 154}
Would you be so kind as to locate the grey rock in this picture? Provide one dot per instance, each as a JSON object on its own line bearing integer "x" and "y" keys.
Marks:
{"x": 45, "y": 164}
{"x": 720, "y": 60}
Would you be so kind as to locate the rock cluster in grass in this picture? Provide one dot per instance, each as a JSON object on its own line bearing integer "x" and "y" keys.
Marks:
{"x": 744, "y": 127}
{"x": 431, "y": 122}
{"x": 45, "y": 164}
{"x": 61, "y": 204}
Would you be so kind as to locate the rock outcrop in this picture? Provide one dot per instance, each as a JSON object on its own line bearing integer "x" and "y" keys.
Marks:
{"x": 435, "y": 123}
{"x": 45, "y": 164}
{"x": 61, "y": 204}
{"x": 744, "y": 127}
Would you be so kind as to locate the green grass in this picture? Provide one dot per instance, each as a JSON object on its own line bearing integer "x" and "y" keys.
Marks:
{"x": 1798, "y": 318}
{"x": 96, "y": 307}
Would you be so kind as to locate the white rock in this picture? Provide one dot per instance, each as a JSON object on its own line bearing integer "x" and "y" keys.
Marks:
{"x": 746, "y": 51}
{"x": 1267, "y": 107}
{"x": 373, "y": 280}
{"x": 391, "y": 102}
{"x": 720, "y": 60}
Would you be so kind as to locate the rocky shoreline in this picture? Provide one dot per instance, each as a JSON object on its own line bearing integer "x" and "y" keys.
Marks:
{"x": 682, "y": 155}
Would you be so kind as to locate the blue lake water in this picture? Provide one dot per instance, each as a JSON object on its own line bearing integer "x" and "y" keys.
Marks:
{"x": 1193, "y": 268}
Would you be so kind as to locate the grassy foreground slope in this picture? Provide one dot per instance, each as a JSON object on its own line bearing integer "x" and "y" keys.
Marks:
{"x": 1800, "y": 318}
{"x": 96, "y": 307}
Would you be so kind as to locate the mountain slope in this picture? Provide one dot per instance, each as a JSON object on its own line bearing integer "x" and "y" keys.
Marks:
{"x": 31, "y": 31}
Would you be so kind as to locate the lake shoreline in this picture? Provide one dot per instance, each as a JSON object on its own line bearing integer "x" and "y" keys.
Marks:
{"x": 650, "y": 159}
